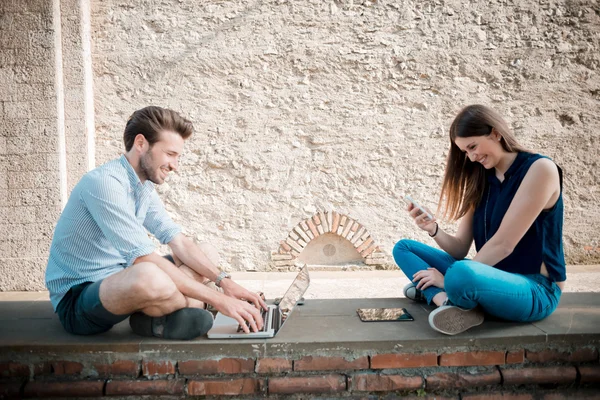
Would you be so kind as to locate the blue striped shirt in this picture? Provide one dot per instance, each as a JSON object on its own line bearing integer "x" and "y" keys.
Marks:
{"x": 104, "y": 227}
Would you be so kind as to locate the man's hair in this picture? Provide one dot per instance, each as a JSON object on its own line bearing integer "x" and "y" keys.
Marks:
{"x": 150, "y": 121}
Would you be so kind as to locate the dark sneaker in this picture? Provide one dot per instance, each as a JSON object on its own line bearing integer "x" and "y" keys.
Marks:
{"x": 184, "y": 324}
{"x": 411, "y": 292}
{"x": 452, "y": 320}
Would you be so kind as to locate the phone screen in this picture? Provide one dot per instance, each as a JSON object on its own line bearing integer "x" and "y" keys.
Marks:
{"x": 384, "y": 314}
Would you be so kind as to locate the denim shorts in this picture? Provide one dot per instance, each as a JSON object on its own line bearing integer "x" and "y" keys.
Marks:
{"x": 81, "y": 312}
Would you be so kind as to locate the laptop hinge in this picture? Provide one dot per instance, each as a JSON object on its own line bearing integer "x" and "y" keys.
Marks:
{"x": 276, "y": 319}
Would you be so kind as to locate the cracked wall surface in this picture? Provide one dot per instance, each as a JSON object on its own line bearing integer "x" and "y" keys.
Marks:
{"x": 345, "y": 105}
{"x": 300, "y": 107}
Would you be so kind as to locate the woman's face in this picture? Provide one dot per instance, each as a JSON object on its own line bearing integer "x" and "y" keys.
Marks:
{"x": 485, "y": 150}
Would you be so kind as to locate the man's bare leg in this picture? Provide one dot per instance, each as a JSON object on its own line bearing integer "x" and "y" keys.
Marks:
{"x": 141, "y": 287}
{"x": 213, "y": 255}
{"x": 156, "y": 306}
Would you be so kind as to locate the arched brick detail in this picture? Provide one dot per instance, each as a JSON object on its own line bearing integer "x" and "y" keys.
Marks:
{"x": 327, "y": 222}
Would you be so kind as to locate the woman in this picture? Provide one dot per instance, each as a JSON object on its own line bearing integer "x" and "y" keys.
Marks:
{"x": 510, "y": 202}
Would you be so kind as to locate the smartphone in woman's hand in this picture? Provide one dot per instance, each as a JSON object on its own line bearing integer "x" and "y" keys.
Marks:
{"x": 422, "y": 210}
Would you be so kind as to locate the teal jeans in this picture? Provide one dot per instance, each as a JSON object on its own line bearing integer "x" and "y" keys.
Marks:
{"x": 469, "y": 283}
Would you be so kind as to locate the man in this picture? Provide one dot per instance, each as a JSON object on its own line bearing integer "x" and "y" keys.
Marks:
{"x": 102, "y": 266}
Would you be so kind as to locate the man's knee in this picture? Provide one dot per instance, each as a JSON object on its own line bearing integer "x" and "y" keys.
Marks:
{"x": 151, "y": 283}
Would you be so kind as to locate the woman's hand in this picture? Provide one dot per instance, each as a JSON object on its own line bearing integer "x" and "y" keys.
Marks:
{"x": 421, "y": 219}
{"x": 429, "y": 277}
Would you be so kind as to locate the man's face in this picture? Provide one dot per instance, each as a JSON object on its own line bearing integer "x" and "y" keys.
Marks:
{"x": 162, "y": 157}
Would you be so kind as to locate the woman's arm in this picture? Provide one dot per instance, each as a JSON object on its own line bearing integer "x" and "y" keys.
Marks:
{"x": 539, "y": 190}
{"x": 458, "y": 245}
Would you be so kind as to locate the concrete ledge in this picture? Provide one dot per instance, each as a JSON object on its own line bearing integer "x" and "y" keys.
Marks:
{"x": 323, "y": 348}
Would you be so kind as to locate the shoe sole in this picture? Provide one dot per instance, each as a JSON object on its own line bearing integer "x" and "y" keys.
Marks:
{"x": 454, "y": 320}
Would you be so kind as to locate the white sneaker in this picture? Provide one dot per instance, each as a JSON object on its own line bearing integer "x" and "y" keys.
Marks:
{"x": 411, "y": 292}
{"x": 452, "y": 320}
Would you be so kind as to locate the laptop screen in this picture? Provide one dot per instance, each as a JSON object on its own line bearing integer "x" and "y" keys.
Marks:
{"x": 294, "y": 293}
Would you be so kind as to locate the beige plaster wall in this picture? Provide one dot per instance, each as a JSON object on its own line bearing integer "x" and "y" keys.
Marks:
{"x": 299, "y": 107}
{"x": 43, "y": 138}
{"x": 29, "y": 168}
{"x": 302, "y": 106}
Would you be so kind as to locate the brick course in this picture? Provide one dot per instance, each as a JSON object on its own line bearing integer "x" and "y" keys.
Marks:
{"x": 580, "y": 355}
{"x": 151, "y": 368}
{"x": 312, "y": 374}
{"x": 539, "y": 375}
{"x": 78, "y": 388}
{"x": 308, "y": 384}
{"x": 406, "y": 360}
{"x": 589, "y": 373}
{"x": 154, "y": 387}
{"x": 379, "y": 383}
{"x": 515, "y": 357}
{"x": 128, "y": 368}
{"x": 273, "y": 365}
{"x": 222, "y": 366}
{"x": 224, "y": 387}
{"x": 445, "y": 380}
{"x": 10, "y": 369}
{"x": 66, "y": 368}
{"x": 311, "y": 363}
{"x": 498, "y": 396}
{"x": 473, "y": 358}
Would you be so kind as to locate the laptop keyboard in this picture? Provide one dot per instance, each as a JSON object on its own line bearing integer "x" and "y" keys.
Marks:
{"x": 265, "y": 318}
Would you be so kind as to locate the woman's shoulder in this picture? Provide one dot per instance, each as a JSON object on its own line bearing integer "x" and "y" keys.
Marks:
{"x": 527, "y": 160}
{"x": 543, "y": 168}
{"x": 533, "y": 164}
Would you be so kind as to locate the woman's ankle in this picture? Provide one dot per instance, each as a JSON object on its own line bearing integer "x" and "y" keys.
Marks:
{"x": 440, "y": 299}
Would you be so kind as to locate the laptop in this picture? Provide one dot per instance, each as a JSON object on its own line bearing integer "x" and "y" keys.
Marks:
{"x": 274, "y": 317}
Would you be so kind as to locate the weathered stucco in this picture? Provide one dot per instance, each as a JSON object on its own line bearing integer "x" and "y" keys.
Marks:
{"x": 345, "y": 105}
{"x": 299, "y": 107}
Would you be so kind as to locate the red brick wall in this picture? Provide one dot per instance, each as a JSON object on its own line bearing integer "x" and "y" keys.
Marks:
{"x": 481, "y": 374}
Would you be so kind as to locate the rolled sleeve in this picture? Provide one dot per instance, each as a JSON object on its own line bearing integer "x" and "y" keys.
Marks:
{"x": 158, "y": 222}
{"x": 108, "y": 201}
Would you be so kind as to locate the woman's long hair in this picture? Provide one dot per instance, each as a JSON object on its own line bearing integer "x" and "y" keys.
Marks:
{"x": 464, "y": 181}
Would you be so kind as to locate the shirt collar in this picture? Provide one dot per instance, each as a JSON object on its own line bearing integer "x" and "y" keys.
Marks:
{"x": 134, "y": 179}
{"x": 519, "y": 160}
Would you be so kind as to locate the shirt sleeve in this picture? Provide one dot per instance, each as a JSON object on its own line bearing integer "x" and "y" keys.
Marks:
{"x": 111, "y": 207}
{"x": 158, "y": 222}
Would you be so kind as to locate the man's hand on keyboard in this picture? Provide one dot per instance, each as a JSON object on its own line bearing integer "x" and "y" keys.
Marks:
{"x": 243, "y": 312}
{"x": 232, "y": 289}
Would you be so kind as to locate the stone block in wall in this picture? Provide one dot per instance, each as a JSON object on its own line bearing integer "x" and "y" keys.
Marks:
{"x": 26, "y": 273}
{"x": 7, "y": 58}
{"x": 26, "y": 6}
{"x": 7, "y": 84}
{"x": 33, "y": 90}
{"x": 17, "y": 110}
{"x": 33, "y": 55}
{"x": 42, "y": 109}
{"x": 34, "y": 74}
{"x": 22, "y": 180}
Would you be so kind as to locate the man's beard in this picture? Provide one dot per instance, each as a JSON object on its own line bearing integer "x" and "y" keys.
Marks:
{"x": 146, "y": 169}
